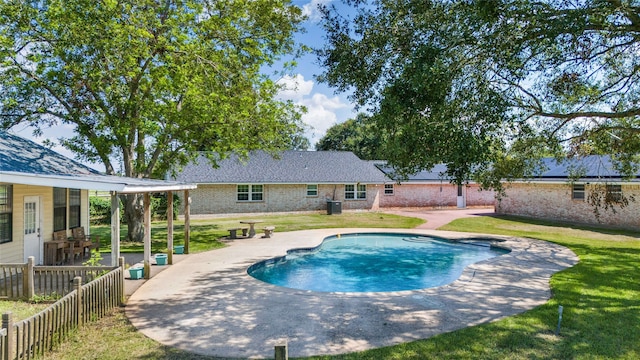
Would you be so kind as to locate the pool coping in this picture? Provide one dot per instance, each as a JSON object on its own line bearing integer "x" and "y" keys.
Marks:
{"x": 209, "y": 305}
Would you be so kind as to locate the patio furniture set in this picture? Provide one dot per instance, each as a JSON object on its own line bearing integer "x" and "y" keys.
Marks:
{"x": 64, "y": 250}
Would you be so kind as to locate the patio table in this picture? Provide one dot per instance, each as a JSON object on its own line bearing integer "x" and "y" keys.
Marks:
{"x": 252, "y": 223}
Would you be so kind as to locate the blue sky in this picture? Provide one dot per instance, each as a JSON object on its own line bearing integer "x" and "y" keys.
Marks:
{"x": 325, "y": 108}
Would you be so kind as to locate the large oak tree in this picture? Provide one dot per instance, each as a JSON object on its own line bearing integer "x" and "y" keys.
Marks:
{"x": 489, "y": 86}
{"x": 148, "y": 83}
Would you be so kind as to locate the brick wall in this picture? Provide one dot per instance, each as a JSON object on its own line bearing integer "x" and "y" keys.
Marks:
{"x": 554, "y": 202}
{"x": 222, "y": 199}
{"x": 434, "y": 195}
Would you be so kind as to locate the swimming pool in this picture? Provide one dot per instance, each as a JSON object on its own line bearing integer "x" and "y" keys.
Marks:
{"x": 374, "y": 262}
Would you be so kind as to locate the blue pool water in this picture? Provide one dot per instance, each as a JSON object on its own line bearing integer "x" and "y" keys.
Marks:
{"x": 373, "y": 263}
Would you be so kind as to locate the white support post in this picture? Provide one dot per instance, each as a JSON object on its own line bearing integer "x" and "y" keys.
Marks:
{"x": 115, "y": 228}
{"x": 147, "y": 235}
{"x": 170, "y": 227}
{"x": 187, "y": 221}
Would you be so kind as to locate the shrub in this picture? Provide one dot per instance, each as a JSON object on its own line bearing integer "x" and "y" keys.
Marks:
{"x": 99, "y": 210}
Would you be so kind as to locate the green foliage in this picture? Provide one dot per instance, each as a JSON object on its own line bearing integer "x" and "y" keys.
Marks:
{"x": 489, "y": 87}
{"x": 358, "y": 135}
{"x": 99, "y": 210}
{"x": 144, "y": 84}
{"x": 159, "y": 208}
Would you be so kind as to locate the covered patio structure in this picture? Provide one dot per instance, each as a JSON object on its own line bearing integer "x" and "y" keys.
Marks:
{"x": 43, "y": 192}
{"x": 116, "y": 186}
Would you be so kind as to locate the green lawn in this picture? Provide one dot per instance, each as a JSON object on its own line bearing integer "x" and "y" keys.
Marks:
{"x": 600, "y": 295}
{"x": 205, "y": 234}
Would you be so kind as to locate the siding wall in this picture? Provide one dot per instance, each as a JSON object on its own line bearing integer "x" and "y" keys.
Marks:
{"x": 13, "y": 252}
{"x": 434, "y": 195}
{"x": 221, "y": 199}
{"x": 554, "y": 202}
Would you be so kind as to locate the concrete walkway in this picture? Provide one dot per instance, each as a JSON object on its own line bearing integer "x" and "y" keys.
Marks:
{"x": 210, "y": 305}
{"x": 435, "y": 218}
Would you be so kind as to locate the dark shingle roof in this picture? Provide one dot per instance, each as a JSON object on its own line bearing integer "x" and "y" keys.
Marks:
{"x": 437, "y": 173}
{"x": 23, "y": 161}
{"x": 24, "y": 156}
{"x": 587, "y": 167}
{"x": 291, "y": 167}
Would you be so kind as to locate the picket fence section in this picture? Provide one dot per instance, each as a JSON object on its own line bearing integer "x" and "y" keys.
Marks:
{"x": 33, "y": 337}
{"x": 23, "y": 281}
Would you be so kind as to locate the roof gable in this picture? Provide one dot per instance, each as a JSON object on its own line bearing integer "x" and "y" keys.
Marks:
{"x": 25, "y": 156}
{"x": 289, "y": 167}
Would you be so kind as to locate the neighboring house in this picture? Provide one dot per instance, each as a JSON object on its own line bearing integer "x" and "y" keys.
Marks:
{"x": 562, "y": 190}
{"x": 42, "y": 191}
{"x": 431, "y": 188}
{"x": 294, "y": 181}
{"x": 306, "y": 180}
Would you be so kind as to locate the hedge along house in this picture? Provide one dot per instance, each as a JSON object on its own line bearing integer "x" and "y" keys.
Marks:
{"x": 564, "y": 191}
{"x": 431, "y": 188}
{"x": 42, "y": 191}
{"x": 291, "y": 181}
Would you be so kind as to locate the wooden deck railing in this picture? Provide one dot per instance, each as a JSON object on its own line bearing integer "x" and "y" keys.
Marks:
{"x": 36, "y": 335}
{"x": 23, "y": 281}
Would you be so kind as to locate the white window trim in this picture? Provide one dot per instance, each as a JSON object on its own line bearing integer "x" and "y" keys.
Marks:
{"x": 392, "y": 188}
{"x": 356, "y": 192}
{"x": 250, "y": 193}
{"x": 316, "y": 190}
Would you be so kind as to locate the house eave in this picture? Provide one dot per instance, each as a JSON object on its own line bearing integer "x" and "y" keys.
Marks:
{"x": 94, "y": 182}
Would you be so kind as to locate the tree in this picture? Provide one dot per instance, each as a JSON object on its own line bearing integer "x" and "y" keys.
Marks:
{"x": 490, "y": 86}
{"x": 356, "y": 135}
{"x": 148, "y": 83}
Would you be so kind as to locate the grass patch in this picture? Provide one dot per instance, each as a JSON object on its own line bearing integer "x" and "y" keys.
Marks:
{"x": 206, "y": 234}
{"x": 21, "y": 309}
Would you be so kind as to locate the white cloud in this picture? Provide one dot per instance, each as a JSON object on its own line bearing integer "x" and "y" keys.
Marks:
{"x": 321, "y": 109}
{"x": 295, "y": 88}
{"x": 321, "y": 114}
{"x": 311, "y": 9}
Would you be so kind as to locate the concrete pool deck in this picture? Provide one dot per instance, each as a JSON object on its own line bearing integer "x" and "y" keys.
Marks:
{"x": 208, "y": 304}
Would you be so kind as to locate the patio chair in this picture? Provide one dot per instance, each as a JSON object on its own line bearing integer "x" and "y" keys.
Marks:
{"x": 72, "y": 248}
{"x": 89, "y": 242}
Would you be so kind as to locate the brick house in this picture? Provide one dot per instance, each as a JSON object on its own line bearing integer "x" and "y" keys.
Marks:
{"x": 294, "y": 181}
{"x": 562, "y": 192}
{"x": 431, "y": 188}
{"x": 305, "y": 180}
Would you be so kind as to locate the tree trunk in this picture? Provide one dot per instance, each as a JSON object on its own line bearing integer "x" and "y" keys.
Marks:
{"x": 134, "y": 216}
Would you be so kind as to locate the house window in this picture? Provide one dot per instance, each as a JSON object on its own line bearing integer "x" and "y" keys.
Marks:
{"x": 355, "y": 192}
{"x": 388, "y": 189}
{"x": 59, "y": 209}
{"x": 614, "y": 193}
{"x": 578, "y": 192}
{"x": 6, "y": 212}
{"x": 249, "y": 192}
{"x": 74, "y": 208}
{"x": 312, "y": 190}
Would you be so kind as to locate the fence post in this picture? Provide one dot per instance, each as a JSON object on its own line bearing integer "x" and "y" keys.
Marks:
{"x": 7, "y": 325}
{"x": 121, "y": 280}
{"x": 281, "y": 352}
{"x": 30, "y": 275}
{"x": 77, "y": 286}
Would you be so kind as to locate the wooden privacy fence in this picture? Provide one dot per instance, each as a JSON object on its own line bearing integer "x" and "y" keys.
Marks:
{"x": 32, "y": 337}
